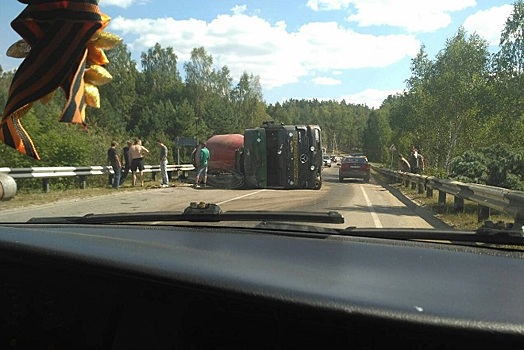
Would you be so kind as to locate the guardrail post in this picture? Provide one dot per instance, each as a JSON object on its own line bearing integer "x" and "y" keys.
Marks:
{"x": 82, "y": 182}
{"x": 518, "y": 221}
{"x": 45, "y": 185}
{"x": 486, "y": 197}
{"x": 483, "y": 213}
{"x": 441, "y": 197}
{"x": 458, "y": 204}
{"x": 420, "y": 188}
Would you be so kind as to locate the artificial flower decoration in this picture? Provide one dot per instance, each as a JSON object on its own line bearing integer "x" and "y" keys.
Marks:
{"x": 63, "y": 47}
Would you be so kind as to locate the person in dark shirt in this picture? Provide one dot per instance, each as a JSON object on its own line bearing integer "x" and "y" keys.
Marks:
{"x": 127, "y": 162}
{"x": 114, "y": 160}
{"x": 416, "y": 161}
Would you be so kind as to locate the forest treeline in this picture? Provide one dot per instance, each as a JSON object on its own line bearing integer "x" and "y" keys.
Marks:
{"x": 463, "y": 109}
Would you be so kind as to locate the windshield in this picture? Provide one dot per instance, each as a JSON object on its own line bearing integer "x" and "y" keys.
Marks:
{"x": 403, "y": 115}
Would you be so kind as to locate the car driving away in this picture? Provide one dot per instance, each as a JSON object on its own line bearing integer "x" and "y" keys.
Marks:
{"x": 326, "y": 161}
{"x": 354, "y": 167}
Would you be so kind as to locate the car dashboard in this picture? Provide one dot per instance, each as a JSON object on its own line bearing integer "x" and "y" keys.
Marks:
{"x": 164, "y": 287}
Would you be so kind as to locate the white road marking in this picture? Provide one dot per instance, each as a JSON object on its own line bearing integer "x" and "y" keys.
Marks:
{"x": 374, "y": 215}
{"x": 220, "y": 203}
{"x": 239, "y": 197}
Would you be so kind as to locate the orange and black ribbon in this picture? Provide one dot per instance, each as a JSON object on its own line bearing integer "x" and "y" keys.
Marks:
{"x": 59, "y": 34}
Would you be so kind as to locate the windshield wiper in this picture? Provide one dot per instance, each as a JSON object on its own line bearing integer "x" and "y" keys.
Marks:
{"x": 196, "y": 212}
{"x": 485, "y": 234}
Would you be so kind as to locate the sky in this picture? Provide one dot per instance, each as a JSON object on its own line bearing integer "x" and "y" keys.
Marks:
{"x": 359, "y": 51}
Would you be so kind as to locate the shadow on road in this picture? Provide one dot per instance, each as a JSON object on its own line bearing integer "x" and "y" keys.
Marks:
{"x": 423, "y": 212}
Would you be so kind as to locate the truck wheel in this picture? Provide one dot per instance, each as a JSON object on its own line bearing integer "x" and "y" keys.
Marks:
{"x": 318, "y": 183}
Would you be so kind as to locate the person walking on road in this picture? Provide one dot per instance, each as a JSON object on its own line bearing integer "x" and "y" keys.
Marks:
{"x": 202, "y": 165}
{"x": 163, "y": 163}
{"x": 137, "y": 152}
{"x": 114, "y": 160}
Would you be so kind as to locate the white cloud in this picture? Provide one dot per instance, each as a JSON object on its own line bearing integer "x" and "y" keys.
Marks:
{"x": 241, "y": 42}
{"x": 411, "y": 15}
{"x": 370, "y": 97}
{"x": 489, "y": 23}
{"x": 373, "y": 98}
{"x": 279, "y": 57}
{"x": 328, "y": 5}
{"x": 119, "y": 3}
{"x": 326, "y": 81}
{"x": 239, "y": 9}
{"x": 329, "y": 46}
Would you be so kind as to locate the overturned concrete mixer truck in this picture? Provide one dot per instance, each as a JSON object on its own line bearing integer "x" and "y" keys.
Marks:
{"x": 271, "y": 156}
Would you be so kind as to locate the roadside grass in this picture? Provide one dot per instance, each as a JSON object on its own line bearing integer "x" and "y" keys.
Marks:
{"x": 466, "y": 219}
{"x": 462, "y": 220}
{"x": 30, "y": 198}
{"x": 26, "y": 198}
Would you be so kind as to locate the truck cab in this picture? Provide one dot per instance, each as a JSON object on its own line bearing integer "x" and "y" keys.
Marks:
{"x": 283, "y": 156}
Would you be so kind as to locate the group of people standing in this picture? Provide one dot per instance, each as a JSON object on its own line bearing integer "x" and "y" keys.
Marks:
{"x": 133, "y": 155}
{"x": 414, "y": 163}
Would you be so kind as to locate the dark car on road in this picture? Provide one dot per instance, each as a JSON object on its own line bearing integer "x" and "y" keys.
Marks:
{"x": 355, "y": 167}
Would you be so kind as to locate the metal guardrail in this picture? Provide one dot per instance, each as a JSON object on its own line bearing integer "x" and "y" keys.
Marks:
{"x": 46, "y": 173}
{"x": 487, "y": 197}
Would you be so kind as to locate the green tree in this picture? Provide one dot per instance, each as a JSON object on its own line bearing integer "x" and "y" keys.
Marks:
{"x": 159, "y": 89}
{"x": 461, "y": 70}
{"x": 119, "y": 96}
{"x": 155, "y": 117}
{"x": 186, "y": 121}
{"x": 377, "y": 137}
{"x": 417, "y": 116}
{"x": 508, "y": 65}
{"x": 510, "y": 58}
{"x": 161, "y": 78}
{"x": 209, "y": 91}
{"x": 5, "y": 81}
{"x": 248, "y": 101}
{"x": 199, "y": 77}
{"x": 440, "y": 112}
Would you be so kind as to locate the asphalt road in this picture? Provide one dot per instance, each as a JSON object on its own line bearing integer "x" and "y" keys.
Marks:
{"x": 370, "y": 205}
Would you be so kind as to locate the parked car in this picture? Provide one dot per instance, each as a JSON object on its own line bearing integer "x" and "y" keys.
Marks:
{"x": 354, "y": 167}
{"x": 326, "y": 161}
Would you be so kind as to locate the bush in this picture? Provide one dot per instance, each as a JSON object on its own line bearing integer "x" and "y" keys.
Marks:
{"x": 498, "y": 165}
